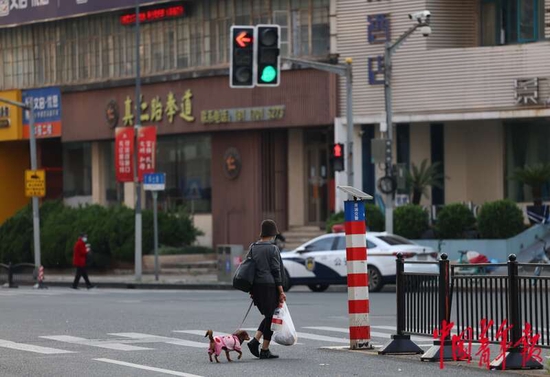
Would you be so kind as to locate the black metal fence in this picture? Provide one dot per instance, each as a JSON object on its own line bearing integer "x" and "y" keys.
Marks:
{"x": 476, "y": 305}
{"x": 13, "y": 275}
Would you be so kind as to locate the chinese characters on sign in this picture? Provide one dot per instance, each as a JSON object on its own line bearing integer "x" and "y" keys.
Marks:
{"x": 46, "y": 104}
{"x": 252, "y": 114}
{"x": 35, "y": 183}
{"x": 147, "y": 140}
{"x": 526, "y": 91}
{"x": 154, "y": 111}
{"x": 378, "y": 32}
{"x": 124, "y": 151}
{"x": 462, "y": 343}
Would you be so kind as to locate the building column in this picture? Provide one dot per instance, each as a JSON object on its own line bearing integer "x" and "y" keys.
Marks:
{"x": 130, "y": 195}
{"x": 296, "y": 180}
{"x": 98, "y": 175}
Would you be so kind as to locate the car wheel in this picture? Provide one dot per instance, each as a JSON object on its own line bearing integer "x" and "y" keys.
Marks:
{"x": 318, "y": 287}
{"x": 375, "y": 280}
{"x": 286, "y": 282}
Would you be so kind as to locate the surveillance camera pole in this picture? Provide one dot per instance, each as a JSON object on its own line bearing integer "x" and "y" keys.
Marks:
{"x": 388, "y": 52}
{"x": 343, "y": 70}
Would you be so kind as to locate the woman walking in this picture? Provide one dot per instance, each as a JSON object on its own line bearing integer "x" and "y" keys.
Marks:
{"x": 267, "y": 291}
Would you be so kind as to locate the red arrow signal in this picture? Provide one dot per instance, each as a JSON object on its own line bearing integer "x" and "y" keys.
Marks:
{"x": 243, "y": 39}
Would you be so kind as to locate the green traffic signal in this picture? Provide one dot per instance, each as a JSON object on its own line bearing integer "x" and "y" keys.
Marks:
{"x": 269, "y": 74}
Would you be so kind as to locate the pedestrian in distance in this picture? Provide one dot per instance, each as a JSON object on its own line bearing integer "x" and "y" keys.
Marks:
{"x": 80, "y": 251}
{"x": 267, "y": 290}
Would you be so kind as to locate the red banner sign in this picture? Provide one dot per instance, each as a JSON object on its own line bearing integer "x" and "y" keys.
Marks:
{"x": 124, "y": 152}
{"x": 147, "y": 140}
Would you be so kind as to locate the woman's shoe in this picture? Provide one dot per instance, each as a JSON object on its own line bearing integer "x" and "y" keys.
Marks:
{"x": 266, "y": 354}
{"x": 254, "y": 347}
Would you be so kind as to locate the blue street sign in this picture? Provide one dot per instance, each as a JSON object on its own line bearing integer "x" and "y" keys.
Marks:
{"x": 154, "y": 181}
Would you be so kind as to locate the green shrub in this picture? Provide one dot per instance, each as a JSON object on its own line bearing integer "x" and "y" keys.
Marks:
{"x": 110, "y": 233}
{"x": 374, "y": 219}
{"x": 500, "y": 219}
{"x": 453, "y": 220}
{"x": 410, "y": 221}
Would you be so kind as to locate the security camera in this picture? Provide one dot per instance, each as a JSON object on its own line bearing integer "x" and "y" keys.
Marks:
{"x": 426, "y": 31}
{"x": 422, "y": 16}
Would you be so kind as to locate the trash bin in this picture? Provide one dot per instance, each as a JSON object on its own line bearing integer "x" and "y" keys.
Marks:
{"x": 229, "y": 258}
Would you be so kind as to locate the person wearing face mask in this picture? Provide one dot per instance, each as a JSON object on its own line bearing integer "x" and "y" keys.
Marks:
{"x": 79, "y": 261}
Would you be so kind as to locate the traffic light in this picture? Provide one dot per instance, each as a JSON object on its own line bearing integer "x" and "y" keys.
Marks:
{"x": 337, "y": 156}
{"x": 241, "y": 69}
{"x": 268, "y": 46}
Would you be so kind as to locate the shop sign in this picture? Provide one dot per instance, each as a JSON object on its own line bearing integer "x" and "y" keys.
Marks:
{"x": 124, "y": 152}
{"x": 174, "y": 107}
{"x": 46, "y": 104}
{"x": 17, "y": 12}
{"x": 147, "y": 140}
{"x": 250, "y": 114}
{"x": 526, "y": 91}
{"x": 10, "y": 116}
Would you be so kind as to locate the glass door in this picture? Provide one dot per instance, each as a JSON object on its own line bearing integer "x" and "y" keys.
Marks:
{"x": 317, "y": 183}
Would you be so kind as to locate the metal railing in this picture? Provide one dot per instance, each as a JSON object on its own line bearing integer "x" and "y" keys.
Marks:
{"x": 13, "y": 275}
{"x": 479, "y": 304}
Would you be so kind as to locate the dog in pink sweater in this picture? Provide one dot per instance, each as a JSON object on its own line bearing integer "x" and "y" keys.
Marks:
{"x": 226, "y": 343}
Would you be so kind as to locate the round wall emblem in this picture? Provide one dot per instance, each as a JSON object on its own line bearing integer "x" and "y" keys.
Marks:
{"x": 111, "y": 114}
{"x": 232, "y": 163}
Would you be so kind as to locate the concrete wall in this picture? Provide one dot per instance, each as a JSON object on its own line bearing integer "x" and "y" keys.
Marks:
{"x": 14, "y": 160}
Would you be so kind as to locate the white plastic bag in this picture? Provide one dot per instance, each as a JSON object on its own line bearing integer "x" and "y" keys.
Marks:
{"x": 284, "y": 333}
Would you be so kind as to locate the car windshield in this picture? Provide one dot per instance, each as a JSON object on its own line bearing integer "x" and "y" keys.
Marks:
{"x": 395, "y": 240}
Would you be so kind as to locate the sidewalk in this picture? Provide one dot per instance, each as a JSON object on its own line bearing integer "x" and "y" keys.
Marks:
{"x": 125, "y": 279}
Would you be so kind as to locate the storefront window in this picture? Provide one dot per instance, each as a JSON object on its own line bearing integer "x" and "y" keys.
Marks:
{"x": 77, "y": 169}
{"x": 526, "y": 144}
{"x": 186, "y": 162}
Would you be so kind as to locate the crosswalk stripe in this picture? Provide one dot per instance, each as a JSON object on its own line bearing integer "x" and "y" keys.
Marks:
{"x": 373, "y": 334}
{"x": 304, "y": 335}
{"x": 31, "y": 348}
{"x": 112, "y": 345}
{"x": 200, "y": 332}
{"x": 145, "y": 367}
{"x": 147, "y": 338}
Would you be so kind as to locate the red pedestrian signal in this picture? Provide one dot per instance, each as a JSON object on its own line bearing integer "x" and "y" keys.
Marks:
{"x": 337, "y": 157}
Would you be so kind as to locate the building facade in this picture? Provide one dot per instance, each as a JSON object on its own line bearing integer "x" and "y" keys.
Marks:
{"x": 474, "y": 95}
{"x": 232, "y": 157}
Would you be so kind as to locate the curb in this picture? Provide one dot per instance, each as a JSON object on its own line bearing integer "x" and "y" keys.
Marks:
{"x": 117, "y": 285}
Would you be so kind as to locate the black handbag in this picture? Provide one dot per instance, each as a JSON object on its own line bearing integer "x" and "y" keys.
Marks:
{"x": 245, "y": 273}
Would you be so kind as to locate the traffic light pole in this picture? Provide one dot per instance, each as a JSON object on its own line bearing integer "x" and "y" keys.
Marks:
{"x": 34, "y": 166}
{"x": 138, "y": 221}
{"x": 344, "y": 70}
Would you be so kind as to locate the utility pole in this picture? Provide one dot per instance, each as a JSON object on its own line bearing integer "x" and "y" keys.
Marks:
{"x": 388, "y": 52}
{"x": 344, "y": 70}
{"x": 137, "y": 125}
{"x": 34, "y": 166}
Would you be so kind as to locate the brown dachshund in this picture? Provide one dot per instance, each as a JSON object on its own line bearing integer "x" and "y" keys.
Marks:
{"x": 226, "y": 343}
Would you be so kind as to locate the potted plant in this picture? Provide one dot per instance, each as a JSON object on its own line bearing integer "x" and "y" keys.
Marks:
{"x": 535, "y": 176}
{"x": 419, "y": 179}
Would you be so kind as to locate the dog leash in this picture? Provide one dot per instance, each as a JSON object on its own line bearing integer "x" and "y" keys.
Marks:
{"x": 246, "y": 315}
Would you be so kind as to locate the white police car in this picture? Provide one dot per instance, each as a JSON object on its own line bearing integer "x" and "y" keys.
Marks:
{"x": 321, "y": 261}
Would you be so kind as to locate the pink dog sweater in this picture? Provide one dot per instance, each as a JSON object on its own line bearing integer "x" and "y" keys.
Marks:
{"x": 229, "y": 342}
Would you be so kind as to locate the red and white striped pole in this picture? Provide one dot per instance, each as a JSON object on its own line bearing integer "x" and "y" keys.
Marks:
{"x": 358, "y": 278}
{"x": 41, "y": 278}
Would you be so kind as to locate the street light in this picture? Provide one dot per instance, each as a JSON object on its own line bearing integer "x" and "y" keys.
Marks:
{"x": 137, "y": 125}
{"x": 422, "y": 19}
{"x": 34, "y": 166}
